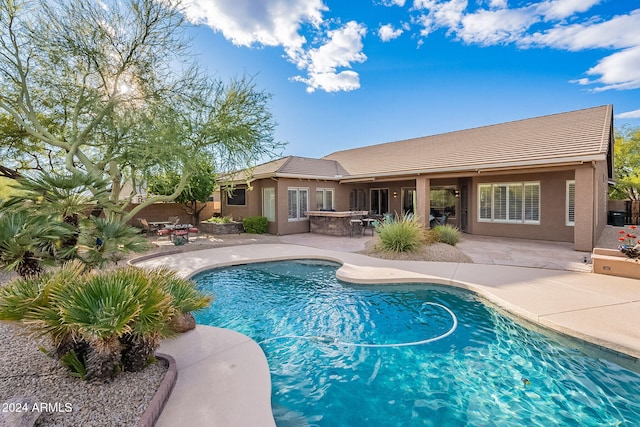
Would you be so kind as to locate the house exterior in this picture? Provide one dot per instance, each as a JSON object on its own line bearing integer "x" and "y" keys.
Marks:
{"x": 540, "y": 178}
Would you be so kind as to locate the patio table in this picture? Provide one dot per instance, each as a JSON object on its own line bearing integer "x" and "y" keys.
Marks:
{"x": 368, "y": 225}
{"x": 178, "y": 230}
{"x": 159, "y": 223}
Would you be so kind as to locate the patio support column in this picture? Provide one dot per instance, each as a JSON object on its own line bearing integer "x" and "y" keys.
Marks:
{"x": 423, "y": 200}
{"x": 583, "y": 230}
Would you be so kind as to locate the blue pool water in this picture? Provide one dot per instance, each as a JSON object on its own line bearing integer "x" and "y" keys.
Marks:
{"x": 489, "y": 371}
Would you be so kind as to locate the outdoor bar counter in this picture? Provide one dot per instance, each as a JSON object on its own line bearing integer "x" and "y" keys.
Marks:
{"x": 333, "y": 223}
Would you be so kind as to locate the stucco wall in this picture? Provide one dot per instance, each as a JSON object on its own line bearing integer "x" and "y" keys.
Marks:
{"x": 252, "y": 206}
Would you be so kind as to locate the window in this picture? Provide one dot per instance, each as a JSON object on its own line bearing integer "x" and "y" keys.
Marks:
{"x": 512, "y": 203}
{"x": 484, "y": 200}
{"x": 324, "y": 198}
{"x": 357, "y": 200}
{"x": 298, "y": 200}
{"x": 237, "y": 197}
{"x": 269, "y": 203}
{"x": 379, "y": 201}
{"x": 442, "y": 201}
{"x": 571, "y": 203}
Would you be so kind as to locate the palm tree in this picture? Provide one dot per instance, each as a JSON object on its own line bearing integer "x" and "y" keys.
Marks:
{"x": 105, "y": 240}
{"x": 185, "y": 298}
{"x": 30, "y": 300}
{"x": 151, "y": 323}
{"x": 99, "y": 312}
{"x": 27, "y": 241}
{"x": 64, "y": 196}
{"x": 102, "y": 320}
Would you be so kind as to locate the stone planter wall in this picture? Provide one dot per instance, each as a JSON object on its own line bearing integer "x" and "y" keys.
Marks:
{"x": 213, "y": 228}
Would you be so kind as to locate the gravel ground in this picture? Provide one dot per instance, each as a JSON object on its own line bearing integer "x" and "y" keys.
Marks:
{"x": 431, "y": 252}
{"x": 66, "y": 401}
{"x": 609, "y": 237}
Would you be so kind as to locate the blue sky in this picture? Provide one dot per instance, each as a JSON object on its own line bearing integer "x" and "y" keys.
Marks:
{"x": 349, "y": 73}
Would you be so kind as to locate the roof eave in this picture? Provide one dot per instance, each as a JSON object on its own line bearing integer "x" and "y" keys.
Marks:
{"x": 312, "y": 177}
{"x": 477, "y": 169}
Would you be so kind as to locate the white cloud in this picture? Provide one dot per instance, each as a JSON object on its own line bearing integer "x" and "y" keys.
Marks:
{"x": 261, "y": 22}
{"x": 560, "y": 9}
{"x": 497, "y": 4}
{"x": 440, "y": 15}
{"x": 496, "y": 26}
{"x": 620, "y": 70}
{"x": 635, "y": 114}
{"x": 502, "y": 25}
{"x": 331, "y": 82}
{"x": 344, "y": 47}
{"x": 387, "y": 32}
{"x": 279, "y": 23}
{"x": 393, "y": 2}
{"x": 327, "y": 59}
{"x": 617, "y": 32}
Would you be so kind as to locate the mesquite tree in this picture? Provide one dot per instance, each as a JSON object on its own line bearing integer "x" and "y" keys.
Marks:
{"x": 111, "y": 89}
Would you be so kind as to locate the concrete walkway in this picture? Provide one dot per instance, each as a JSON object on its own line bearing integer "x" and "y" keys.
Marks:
{"x": 222, "y": 378}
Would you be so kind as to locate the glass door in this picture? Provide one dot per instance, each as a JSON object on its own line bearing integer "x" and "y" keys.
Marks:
{"x": 379, "y": 201}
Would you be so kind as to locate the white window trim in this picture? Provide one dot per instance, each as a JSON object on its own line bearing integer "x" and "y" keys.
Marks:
{"x": 567, "y": 205}
{"x": 507, "y": 220}
{"x": 333, "y": 197}
{"x": 298, "y": 189}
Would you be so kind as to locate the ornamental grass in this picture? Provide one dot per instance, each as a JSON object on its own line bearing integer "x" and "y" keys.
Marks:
{"x": 401, "y": 234}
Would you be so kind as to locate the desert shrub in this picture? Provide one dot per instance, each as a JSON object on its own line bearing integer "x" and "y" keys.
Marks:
{"x": 101, "y": 323}
{"x": 446, "y": 234}
{"x": 255, "y": 224}
{"x": 404, "y": 234}
{"x": 220, "y": 219}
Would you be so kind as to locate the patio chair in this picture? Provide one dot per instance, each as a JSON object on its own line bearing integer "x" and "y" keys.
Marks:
{"x": 355, "y": 227}
{"x": 441, "y": 220}
{"x": 194, "y": 231}
{"x": 150, "y": 229}
{"x": 174, "y": 220}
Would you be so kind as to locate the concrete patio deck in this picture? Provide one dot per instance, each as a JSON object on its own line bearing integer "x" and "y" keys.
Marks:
{"x": 223, "y": 378}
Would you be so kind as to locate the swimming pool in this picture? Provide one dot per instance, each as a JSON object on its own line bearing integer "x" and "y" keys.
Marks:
{"x": 477, "y": 367}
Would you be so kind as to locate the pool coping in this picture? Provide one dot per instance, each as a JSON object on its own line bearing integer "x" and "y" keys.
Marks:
{"x": 593, "y": 308}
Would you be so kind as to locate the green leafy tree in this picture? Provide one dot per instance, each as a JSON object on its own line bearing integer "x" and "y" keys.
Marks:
{"x": 627, "y": 165}
{"x": 196, "y": 193}
{"x": 112, "y": 90}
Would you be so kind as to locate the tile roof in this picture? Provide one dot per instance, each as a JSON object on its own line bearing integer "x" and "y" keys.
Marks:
{"x": 581, "y": 135}
{"x": 293, "y": 166}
